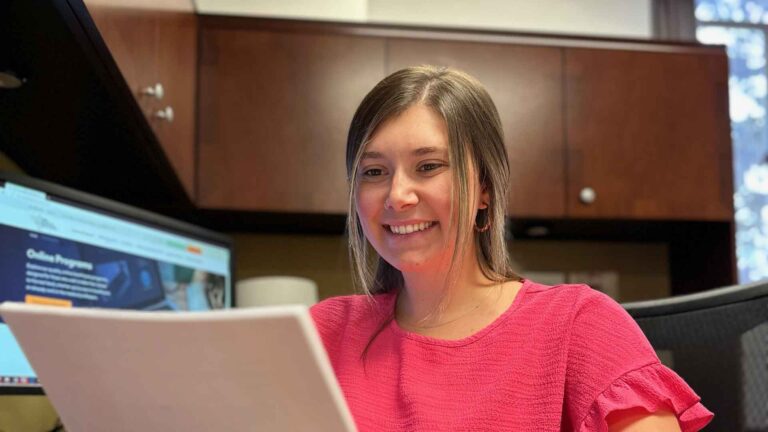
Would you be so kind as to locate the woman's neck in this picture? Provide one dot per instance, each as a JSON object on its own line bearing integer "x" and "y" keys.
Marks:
{"x": 429, "y": 299}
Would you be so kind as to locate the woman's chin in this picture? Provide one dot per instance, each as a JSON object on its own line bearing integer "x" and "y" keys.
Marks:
{"x": 415, "y": 265}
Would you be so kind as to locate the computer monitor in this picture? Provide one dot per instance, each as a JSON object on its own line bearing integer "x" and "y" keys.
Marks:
{"x": 63, "y": 247}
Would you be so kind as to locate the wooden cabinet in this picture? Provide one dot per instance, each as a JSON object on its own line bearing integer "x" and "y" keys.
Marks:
{"x": 275, "y": 109}
{"x": 649, "y": 133}
{"x": 154, "y": 45}
{"x": 530, "y": 113}
{"x": 645, "y": 126}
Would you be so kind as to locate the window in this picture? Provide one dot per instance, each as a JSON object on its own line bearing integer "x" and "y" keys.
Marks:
{"x": 741, "y": 26}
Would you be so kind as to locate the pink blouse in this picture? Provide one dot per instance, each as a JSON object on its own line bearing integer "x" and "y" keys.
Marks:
{"x": 560, "y": 358}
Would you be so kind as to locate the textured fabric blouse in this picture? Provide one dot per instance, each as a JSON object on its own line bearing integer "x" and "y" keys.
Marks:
{"x": 560, "y": 358}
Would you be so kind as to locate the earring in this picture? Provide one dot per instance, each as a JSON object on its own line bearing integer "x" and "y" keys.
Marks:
{"x": 487, "y": 225}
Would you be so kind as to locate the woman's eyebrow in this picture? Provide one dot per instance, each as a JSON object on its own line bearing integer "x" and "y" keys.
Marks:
{"x": 421, "y": 151}
{"x": 372, "y": 155}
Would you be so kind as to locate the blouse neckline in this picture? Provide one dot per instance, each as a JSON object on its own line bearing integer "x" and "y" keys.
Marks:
{"x": 401, "y": 332}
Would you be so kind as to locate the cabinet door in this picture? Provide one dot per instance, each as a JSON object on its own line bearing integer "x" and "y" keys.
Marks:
{"x": 275, "y": 108}
{"x": 177, "y": 72}
{"x": 155, "y": 42}
{"x": 526, "y": 85}
{"x": 130, "y": 33}
{"x": 649, "y": 133}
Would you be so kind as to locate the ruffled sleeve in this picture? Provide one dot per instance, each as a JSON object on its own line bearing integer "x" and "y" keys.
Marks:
{"x": 612, "y": 367}
{"x": 651, "y": 388}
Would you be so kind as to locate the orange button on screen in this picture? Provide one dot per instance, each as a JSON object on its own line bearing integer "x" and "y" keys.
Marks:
{"x": 50, "y": 301}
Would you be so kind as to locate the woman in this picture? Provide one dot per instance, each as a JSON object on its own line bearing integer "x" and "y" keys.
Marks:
{"x": 448, "y": 337}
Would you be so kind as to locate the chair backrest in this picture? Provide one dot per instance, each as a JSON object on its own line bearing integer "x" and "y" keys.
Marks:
{"x": 717, "y": 341}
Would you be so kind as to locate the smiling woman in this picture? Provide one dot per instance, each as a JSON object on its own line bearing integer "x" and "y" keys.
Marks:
{"x": 446, "y": 336}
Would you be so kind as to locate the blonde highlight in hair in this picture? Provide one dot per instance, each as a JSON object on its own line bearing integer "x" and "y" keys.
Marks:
{"x": 476, "y": 145}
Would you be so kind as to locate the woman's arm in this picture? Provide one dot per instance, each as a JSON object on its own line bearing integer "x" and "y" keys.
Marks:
{"x": 641, "y": 421}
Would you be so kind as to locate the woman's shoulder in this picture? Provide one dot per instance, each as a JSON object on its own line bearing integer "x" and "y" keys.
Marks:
{"x": 566, "y": 297}
{"x": 571, "y": 310}
{"x": 569, "y": 289}
{"x": 593, "y": 324}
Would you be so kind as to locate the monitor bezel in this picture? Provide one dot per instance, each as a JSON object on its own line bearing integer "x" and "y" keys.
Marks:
{"x": 119, "y": 210}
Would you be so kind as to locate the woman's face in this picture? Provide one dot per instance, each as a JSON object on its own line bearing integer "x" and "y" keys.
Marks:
{"x": 404, "y": 192}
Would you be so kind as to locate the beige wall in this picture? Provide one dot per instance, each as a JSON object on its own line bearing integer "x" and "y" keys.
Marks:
{"x": 320, "y": 258}
{"x": 26, "y": 413}
{"x": 610, "y": 18}
{"x": 332, "y": 10}
{"x": 642, "y": 268}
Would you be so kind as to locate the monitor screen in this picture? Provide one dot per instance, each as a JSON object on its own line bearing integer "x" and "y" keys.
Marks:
{"x": 67, "y": 248}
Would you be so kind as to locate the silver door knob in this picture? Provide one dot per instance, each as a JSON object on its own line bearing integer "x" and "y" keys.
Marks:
{"x": 164, "y": 114}
{"x": 587, "y": 195}
{"x": 156, "y": 91}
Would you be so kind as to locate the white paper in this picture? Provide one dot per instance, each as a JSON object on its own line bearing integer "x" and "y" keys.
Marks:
{"x": 260, "y": 369}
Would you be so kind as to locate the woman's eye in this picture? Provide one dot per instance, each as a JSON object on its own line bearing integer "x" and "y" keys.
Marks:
{"x": 431, "y": 166}
{"x": 372, "y": 172}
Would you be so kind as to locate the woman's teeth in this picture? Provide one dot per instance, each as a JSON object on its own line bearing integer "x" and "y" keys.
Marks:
{"x": 407, "y": 229}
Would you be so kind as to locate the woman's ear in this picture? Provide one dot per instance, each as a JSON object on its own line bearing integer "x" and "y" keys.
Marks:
{"x": 485, "y": 198}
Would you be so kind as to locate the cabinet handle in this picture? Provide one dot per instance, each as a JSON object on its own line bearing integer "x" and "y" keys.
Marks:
{"x": 164, "y": 114}
{"x": 587, "y": 195}
{"x": 156, "y": 91}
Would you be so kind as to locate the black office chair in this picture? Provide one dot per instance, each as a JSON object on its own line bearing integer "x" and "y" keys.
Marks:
{"x": 717, "y": 341}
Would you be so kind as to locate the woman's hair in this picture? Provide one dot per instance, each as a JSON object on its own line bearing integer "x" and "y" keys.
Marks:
{"x": 475, "y": 140}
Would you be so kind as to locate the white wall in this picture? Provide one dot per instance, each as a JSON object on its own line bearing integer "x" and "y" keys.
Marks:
{"x": 612, "y": 18}
{"x": 330, "y": 10}
{"x": 623, "y": 18}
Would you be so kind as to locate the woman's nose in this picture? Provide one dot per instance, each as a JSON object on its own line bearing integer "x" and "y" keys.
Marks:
{"x": 402, "y": 193}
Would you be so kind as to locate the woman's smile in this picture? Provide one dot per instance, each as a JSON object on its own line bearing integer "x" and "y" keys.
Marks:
{"x": 405, "y": 234}
{"x": 409, "y": 228}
